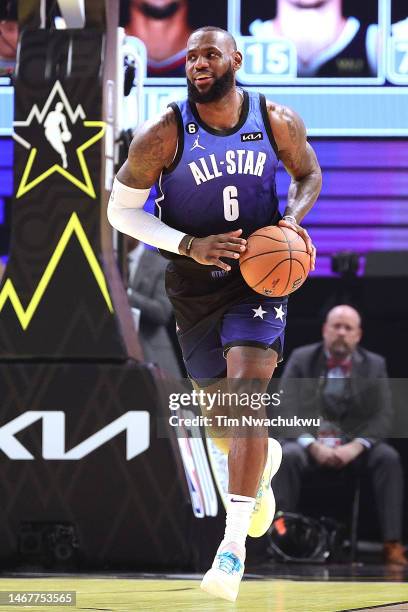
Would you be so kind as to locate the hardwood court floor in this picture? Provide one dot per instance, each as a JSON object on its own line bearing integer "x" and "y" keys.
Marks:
{"x": 128, "y": 595}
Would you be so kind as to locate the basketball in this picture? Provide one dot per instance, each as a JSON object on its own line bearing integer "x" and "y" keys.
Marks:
{"x": 276, "y": 262}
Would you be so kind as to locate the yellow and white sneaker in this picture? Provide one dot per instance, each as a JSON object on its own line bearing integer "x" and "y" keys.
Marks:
{"x": 265, "y": 505}
{"x": 224, "y": 578}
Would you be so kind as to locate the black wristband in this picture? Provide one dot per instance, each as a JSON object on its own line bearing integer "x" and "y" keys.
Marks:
{"x": 188, "y": 247}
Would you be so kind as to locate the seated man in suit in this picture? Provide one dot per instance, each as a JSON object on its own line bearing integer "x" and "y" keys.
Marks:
{"x": 353, "y": 399}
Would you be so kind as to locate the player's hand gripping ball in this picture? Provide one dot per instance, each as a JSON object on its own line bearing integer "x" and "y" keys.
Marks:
{"x": 275, "y": 262}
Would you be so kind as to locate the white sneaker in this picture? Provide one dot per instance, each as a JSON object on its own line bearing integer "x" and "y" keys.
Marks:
{"x": 224, "y": 577}
{"x": 265, "y": 505}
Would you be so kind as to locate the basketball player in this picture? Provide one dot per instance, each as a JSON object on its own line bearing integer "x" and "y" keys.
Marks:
{"x": 212, "y": 198}
{"x": 327, "y": 43}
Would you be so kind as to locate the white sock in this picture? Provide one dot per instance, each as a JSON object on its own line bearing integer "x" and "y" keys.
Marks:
{"x": 239, "y": 512}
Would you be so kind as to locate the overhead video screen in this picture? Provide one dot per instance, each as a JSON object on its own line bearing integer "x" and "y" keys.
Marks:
{"x": 343, "y": 65}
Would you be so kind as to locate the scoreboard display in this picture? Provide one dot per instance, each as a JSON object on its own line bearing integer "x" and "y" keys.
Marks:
{"x": 342, "y": 65}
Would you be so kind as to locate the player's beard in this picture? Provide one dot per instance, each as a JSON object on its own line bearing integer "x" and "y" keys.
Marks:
{"x": 218, "y": 89}
{"x": 159, "y": 13}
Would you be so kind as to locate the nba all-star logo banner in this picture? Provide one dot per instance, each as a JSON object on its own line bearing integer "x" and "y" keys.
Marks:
{"x": 56, "y": 139}
{"x": 55, "y": 300}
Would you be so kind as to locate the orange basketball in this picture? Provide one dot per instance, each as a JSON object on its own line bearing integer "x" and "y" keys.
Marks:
{"x": 276, "y": 262}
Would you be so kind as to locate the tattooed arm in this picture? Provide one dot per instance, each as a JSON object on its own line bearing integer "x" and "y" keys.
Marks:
{"x": 153, "y": 148}
{"x": 300, "y": 162}
{"x": 298, "y": 158}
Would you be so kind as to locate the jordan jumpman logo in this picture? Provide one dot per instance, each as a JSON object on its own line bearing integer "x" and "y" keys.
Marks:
{"x": 196, "y": 144}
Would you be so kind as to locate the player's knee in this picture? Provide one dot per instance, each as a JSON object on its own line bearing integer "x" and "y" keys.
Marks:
{"x": 246, "y": 363}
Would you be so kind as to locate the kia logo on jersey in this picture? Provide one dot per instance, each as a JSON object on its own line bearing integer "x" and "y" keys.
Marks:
{"x": 251, "y": 136}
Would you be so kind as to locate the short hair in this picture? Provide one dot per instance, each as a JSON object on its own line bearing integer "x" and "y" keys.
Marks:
{"x": 217, "y": 29}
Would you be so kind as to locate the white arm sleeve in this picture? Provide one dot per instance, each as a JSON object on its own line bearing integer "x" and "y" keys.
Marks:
{"x": 126, "y": 214}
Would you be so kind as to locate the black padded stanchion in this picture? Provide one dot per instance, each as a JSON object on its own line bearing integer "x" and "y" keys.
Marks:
{"x": 61, "y": 295}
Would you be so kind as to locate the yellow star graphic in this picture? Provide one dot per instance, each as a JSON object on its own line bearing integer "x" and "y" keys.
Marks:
{"x": 85, "y": 185}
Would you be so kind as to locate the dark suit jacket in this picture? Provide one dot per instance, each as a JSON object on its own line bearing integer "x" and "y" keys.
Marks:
{"x": 367, "y": 403}
{"x": 146, "y": 291}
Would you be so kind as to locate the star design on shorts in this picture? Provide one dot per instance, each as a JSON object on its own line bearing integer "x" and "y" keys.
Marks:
{"x": 279, "y": 313}
{"x": 259, "y": 312}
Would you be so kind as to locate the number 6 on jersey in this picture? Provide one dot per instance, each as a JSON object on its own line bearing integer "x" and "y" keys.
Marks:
{"x": 231, "y": 206}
